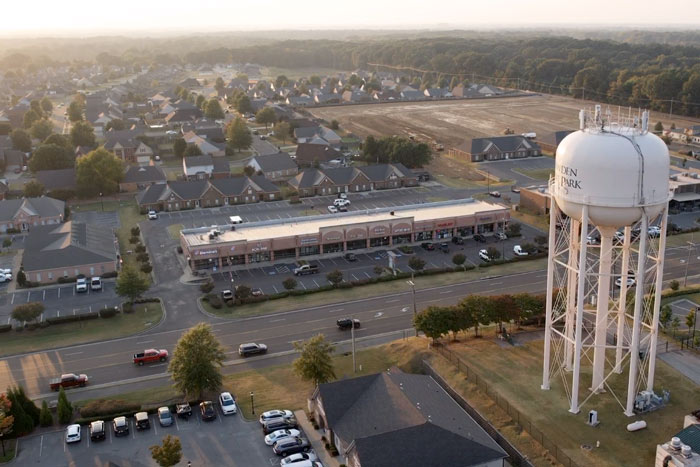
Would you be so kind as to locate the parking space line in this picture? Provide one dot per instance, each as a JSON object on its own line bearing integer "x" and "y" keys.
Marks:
{"x": 88, "y": 439}
{"x": 354, "y": 276}
{"x": 41, "y": 445}
{"x": 133, "y": 429}
{"x": 318, "y": 286}
{"x": 302, "y": 284}
{"x": 59, "y": 292}
{"x": 43, "y": 296}
{"x": 176, "y": 424}
{"x": 366, "y": 274}
{"x": 13, "y": 300}
{"x": 28, "y": 294}
{"x": 155, "y": 428}
{"x": 274, "y": 287}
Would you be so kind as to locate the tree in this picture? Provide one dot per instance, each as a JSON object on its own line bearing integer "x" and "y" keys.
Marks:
{"x": 46, "y": 105}
{"x": 529, "y": 248}
{"x": 51, "y": 157}
{"x": 416, "y": 263}
{"x": 35, "y": 105}
{"x": 674, "y": 285}
{"x": 75, "y": 112}
{"x": 30, "y": 117}
{"x": 334, "y": 124}
{"x": 397, "y": 150}
{"x": 282, "y": 131}
{"x": 5, "y": 128}
{"x": 179, "y": 147}
{"x": 213, "y": 110}
{"x": 41, "y": 129}
{"x": 513, "y": 229}
{"x": 315, "y": 362}
{"x": 243, "y": 291}
{"x": 666, "y": 315}
{"x": 493, "y": 253}
{"x": 22, "y": 422}
{"x": 458, "y": 259}
{"x": 219, "y": 85}
{"x": 690, "y": 319}
{"x": 243, "y": 104}
{"x": 169, "y": 454}
{"x": 290, "y": 283}
{"x": 675, "y": 324}
{"x": 64, "y": 409}
{"x": 335, "y": 277}
{"x": 196, "y": 364}
{"x": 266, "y": 116}
{"x": 6, "y": 419}
{"x": 21, "y": 140}
{"x": 503, "y": 309}
{"x": 249, "y": 170}
{"x": 201, "y": 102}
{"x": 541, "y": 240}
{"x": 479, "y": 308}
{"x": 281, "y": 81}
{"x": 33, "y": 189}
{"x": 21, "y": 278}
{"x": 116, "y": 124}
{"x": 59, "y": 140}
{"x": 192, "y": 150}
{"x": 45, "y": 417}
{"x": 238, "y": 135}
{"x": 659, "y": 127}
{"x": 99, "y": 171}
{"x": 434, "y": 321}
{"x": 130, "y": 284}
{"x": 82, "y": 134}
{"x": 27, "y": 312}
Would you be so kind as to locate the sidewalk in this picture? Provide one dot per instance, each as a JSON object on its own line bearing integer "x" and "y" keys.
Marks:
{"x": 314, "y": 437}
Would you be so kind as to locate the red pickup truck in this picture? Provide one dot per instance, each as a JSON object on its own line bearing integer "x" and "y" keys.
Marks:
{"x": 68, "y": 380}
{"x": 151, "y": 356}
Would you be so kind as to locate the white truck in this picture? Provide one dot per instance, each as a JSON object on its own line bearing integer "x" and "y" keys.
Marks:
{"x": 305, "y": 269}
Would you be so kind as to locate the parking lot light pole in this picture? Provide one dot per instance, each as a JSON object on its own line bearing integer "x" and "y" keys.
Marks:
{"x": 102, "y": 204}
{"x": 691, "y": 245}
{"x": 252, "y": 402}
{"x": 413, "y": 288}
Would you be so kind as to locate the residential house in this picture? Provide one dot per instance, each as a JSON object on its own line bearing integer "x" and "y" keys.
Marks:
{"x": 60, "y": 179}
{"x": 139, "y": 177}
{"x": 299, "y": 101}
{"x": 396, "y": 419}
{"x": 275, "y": 166}
{"x": 207, "y": 147}
{"x": 311, "y": 182}
{"x": 204, "y": 167}
{"x": 412, "y": 95}
{"x": 437, "y": 93}
{"x": 26, "y": 213}
{"x": 305, "y": 134}
{"x": 13, "y": 159}
{"x": 327, "y": 98}
{"x": 183, "y": 115}
{"x": 550, "y": 141}
{"x": 53, "y": 252}
{"x": 496, "y": 148}
{"x": 311, "y": 154}
{"x": 190, "y": 83}
{"x": 126, "y": 145}
{"x": 356, "y": 96}
{"x": 386, "y": 95}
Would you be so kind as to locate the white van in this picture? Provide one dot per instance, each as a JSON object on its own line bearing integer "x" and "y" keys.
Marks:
{"x": 95, "y": 283}
{"x": 235, "y": 220}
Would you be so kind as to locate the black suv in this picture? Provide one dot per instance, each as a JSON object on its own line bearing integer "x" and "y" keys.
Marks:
{"x": 279, "y": 423}
{"x": 121, "y": 426}
{"x": 458, "y": 240}
{"x": 97, "y": 430}
{"x": 347, "y": 323}
{"x": 287, "y": 446}
{"x": 479, "y": 238}
{"x": 207, "y": 410}
{"x": 445, "y": 247}
{"x": 427, "y": 246}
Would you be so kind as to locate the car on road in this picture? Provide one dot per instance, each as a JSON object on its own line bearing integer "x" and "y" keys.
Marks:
{"x": 350, "y": 257}
{"x": 120, "y": 426}
{"x": 479, "y": 238}
{"x": 427, "y": 246}
{"x": 251, "y": 348}
{"x": 630, "y": 282}
{"x": 341, "y": 202}
{"x": 227, "y": 294}
{"x": 256, "y": 292}
{"x": 287, "y": 446}
{"x": 95, "y": 283}
{"x": 206, "y": 409}
{"x": 150, "y": 356}
{"x": 272, "y": 414}
{"x": 495, "y": 194}
{"x": 515, "y": 189}
{"x": 332, "y": 209}
{"x": 458, "y": 240}
{"x": 279, "y": 434}
{"x": 301, "y": 459}
{"x": 5, "y": 277}
{"x": 347, "y": 323}
{"x": 517, "y": 249}
{"x": 73, "y": 434}
{"x": 501, "y": 236}
{"x": 445, "y": 247}
{"x": 152, "y": 215}
{"x": 97, "y": 430}
{"x": 81, "y": 285}
{"x": 141, "y": 421}
{"x": 68, "y": 380}
{"x": 165, "y": 418}
{"x": 228, "y": 405}
{"x": 484, "y": 255}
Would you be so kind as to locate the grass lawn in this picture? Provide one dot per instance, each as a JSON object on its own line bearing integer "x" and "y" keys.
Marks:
{"x": 515, "y": 373}
{"x": 372, "y": 290}
{"x": 539, "y": 174}
{"x": 174, "y": 231}
{"x": 240, "y": 155}
{"x": 539, "y": 222}
{"x": 682, "y": 239}
{"x": 9, "y": 451}
{"x": 129, "y": 217}
{"x": 145, "y": 316}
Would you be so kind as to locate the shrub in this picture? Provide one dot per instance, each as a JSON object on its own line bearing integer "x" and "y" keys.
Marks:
{"x": 140, "y": 248}
{"x": 6, "y": 243}
{"x": 134, "y": 240}
{"x": 405, "y": 249}
{"x": 128, "y": 307}
{"x": 207, "y": 287}
{"x": 416, "y": 263}
{"x": 45, "y": 417}
{"x": 72, "y": 318}
{"x": 142, "y": 257}
{"x": 243, "y": 292}
{"x": 513, "y": 229}
{"x": 106, "y": 407}
{"x": 179, "y": 249}
{"x": 108, "y": 312}
{"x": 109, "y": 274}
{"x": 65, "y": 409}
{"x": 12, "y": 230}
{"x": 135, "y": 231}
{"x": 216, "y": 302}
{"x": 146, "y": 268}
{"x": 674, "y": 284}
{"x": 290, "y": 283}
{"x": 5, "y": 327}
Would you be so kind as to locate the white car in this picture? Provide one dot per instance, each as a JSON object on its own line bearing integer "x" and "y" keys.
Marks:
{"x": 484, "y": 255}
{"x": 152, "y": 215}
{"x": 275, "y": 436}
{"x": 654, "y": 231}
{"x": 341, "y": 202}
{"x": 265, "y": 416}
{"x": 5, "y": 277}
{"x": 630, "y": 282}
{"x": 299, "y": 459}
{"x": 7, "y": 272}
{"x": 81, "y": 285}
{"x": 95, "y": 283}
{"x": 73, "y": 434}
{"x": 228, "y": 405}
{"x": 342, "y": 196}
{"x": 501, "y": 236}
{"x": 519, "y": 251}
{"x": 332, "y": 209}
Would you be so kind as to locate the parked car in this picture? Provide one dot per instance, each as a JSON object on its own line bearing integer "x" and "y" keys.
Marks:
{"x": 227, "y": 294}
{"x": 95, "y": 283}
{"x": 73, "y": 434}
{"x": 81, "y": 285}
{"x": 165, "y": 418}
{"x": 152, "y": 215}
{"x": 445, "y": 247}
{"x": 479, "y": 238}
{"x": 458, "y": 240}
{"x": 501, "y": 236}
{"x": 427, "y": 246}
{"x": 68, "y": 380}
{"x": 271, "y": 414}
{"x": 654, "y": 231}
{"x": 279, "y": 434}
{"x": 97, "y": 430}
{"x": 350, "y": 257}
{"x": 150, "y": 356}
{"x": 251, "y": 348}
{"x": 484, "y": 255}
{"x": 206, "y": 409}
{"x": 183, "y": 410}
{"x": 256, "y": 292}
{"x": 279, "y": 423}
{"x": 342, "y": 209}
{"x": 519, "y": 251}
{"x": 592, "y": 240}
{"x": 120, "y": 426}
{"x": 332, "y": 209}
{"x": 342, "y": 196}
{"x": 341, "y": 202}
{"x": 347, "y": 323}
{"x": 515, "y": 189}
{"x": 630, "y": 282}
{"x": 5, "y": 277}
{"x": 301, "y": 459}
{"x": 495, "y": 194}
{"x": 287, "y": 446}
{"x": 228, "y": 405}
{"x": 141, "y": 420}
{"x": 305, "y": 269}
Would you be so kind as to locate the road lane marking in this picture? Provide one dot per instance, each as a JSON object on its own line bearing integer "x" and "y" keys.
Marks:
{"x": 446, "y": 291}
{"x": 41, "y": 445}
{"x": 28, "y": 293}
{"x": 144, "y": 342}
{"x": 277, "y": 320}
{"x": 336, "y": 310}
{"x": 392, "y": 300}
{"x": 13, "y": 300}
{"x": 73, "y": 353}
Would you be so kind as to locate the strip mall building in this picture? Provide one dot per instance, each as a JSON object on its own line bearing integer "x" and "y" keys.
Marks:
{"x": 269, "y": 241}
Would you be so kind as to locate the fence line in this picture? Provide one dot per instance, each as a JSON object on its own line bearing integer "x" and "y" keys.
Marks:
{"x": 521, "y": 420}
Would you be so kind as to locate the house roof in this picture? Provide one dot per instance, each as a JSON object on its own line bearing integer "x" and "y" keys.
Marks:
{"x": 152, "y": 194}
{"x": 504, "y": 143}
{"x": 381, "y": 172}
{"x": 342, "y": 175}
{"x": 264, "y": 184}
{"x": 307, "y": 132}
{"x": 125, "y": 138}
{"x": 43, "y": 207}
{"x": 221, "y": 165}
{"x": 274, "y": 162}
{"x": 307, "y": 178}
{"x": 420, "y": 445}
{"x": 310, "y": 152}
{"x": 198, "y": 161}
{"x": 61, "y": 179}
{"x": 188, "y": 189}
{"x": 230, "y": 186}
{"x": 143, "y": 174}
{"x": 68, "y": 245}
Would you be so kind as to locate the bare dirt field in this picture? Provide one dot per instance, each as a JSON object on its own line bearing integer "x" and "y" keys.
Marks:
{"x": 453, "y": 122}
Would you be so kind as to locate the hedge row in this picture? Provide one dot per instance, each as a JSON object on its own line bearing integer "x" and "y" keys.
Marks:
{"x": 123, "y": 412}
{"x": 72, "y": 318}
{"x": 5, "y": 327}
{"x": 102, "y": 407}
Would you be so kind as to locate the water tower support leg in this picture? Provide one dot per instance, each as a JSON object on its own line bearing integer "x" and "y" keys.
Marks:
{"x": 571, "y": 287}
{"x": 553, "y": 211}
{"x": 601, "y": 318}
{"x": 622, "y": 303}
{"x": 579, "y": 311}
{"x": 657, "y": 301}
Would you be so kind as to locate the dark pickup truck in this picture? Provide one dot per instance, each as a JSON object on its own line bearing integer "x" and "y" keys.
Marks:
{"x": 68, "y": 380}
{"x": 150, "y": 356}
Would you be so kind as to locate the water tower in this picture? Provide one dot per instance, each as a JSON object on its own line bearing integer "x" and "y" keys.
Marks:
{"x": 607, "y": 235}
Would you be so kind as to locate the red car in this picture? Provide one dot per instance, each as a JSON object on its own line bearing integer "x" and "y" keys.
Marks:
{"x": 68, "y": 380}
{"x": 150, "y": 356}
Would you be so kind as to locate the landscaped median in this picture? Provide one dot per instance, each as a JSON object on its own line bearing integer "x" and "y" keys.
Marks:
{"x": 376, "y": 286}
{"x": 78, "y": 329}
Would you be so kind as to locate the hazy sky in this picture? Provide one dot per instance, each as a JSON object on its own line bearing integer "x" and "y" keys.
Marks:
{"x": 81, "y": 16}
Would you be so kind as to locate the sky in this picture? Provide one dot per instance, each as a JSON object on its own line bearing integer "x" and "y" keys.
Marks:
{"x": 81, "y": 17}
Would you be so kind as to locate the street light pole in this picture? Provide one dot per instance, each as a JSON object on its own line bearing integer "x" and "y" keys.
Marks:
{"x": 352, "y": 337}
{"x": 413, "y": 288}
{"x": 102, "y": 204}
{"x": 252, "y": 402}
{"x": 691, "y": 245}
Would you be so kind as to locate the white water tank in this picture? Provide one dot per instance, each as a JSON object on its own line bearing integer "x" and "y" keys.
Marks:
{"x": 615, "y": 171}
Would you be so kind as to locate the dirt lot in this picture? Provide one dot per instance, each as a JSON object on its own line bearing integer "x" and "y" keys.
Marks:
{"x": 452, "y": 122}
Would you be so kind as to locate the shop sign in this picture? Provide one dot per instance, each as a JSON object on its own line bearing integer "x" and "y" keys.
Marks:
{"x": 445, "y": 224}
{"x": 309, "y": 240}
{"x": 332, "y": 239}
{"x": 379, "y": 230}
{"x": 402, "y": 230}
{"x": 485, "y": 219}
{"x": 205, "y": 252}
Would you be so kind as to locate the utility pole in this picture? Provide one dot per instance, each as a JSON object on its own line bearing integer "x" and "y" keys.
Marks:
{"x": 352, "y": 337}
{"x": 413, "y": 288}
{"x": 691, "y": 245}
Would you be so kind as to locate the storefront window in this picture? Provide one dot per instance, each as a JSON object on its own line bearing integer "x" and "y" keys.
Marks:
{"x": 333, "y": 248}
{"x": 381, "y": 241}
{"x": 420, "y": 236}
{"x": 309, "y": 250}
{"x": 259, "y": 257}
{"x": 444, "y": 233}
{"x": 233, "y": 260}
{"x": 398, "y": 239}
{"x": 207, "y": 263}
{"x": 357, "y": 244}
{"x": 288, "y": 253}
{"x": 465, "y": 231}
{"x": 485, "y": 228}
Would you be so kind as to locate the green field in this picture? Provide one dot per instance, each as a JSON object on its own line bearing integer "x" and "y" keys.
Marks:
{"x": 537, "y": 174}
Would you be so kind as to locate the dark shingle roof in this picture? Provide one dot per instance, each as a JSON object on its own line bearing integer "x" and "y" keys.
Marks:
{"x": 126, "y": 138}
{"x": 62, "y": 179}
{"x": 230, "y": 186}
{"x": 273, "y": 162}
{"x": 341, "y": 175}
{"x": 307, "y": 132}
{"x": 188, "y": 189}
{"x": 221, "y": 165}
{"x": 505, "y": 143}
{"x": 195, "y": 161}
{"x": 143, "y": 174}
{"x": 67, "y": 245}
{"x": 307, "y": 178}
{"x": 152, "y": 194}
{"x": 264, "y": 184}
{"x": 320, "y": 152}
{"x": 42, "y": 207}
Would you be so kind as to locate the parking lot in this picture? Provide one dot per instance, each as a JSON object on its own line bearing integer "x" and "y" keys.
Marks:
{"x": 227, "y": 440}
{"x": 522, "y": 171}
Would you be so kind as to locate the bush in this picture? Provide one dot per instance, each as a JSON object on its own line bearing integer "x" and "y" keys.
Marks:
{"x": 107, "y": 407}
{"x": 45, "y": 417}
{"x": 135, "y": 231}
{"x": 108, "y": 312}
{"x": 109, "y": 274}
{"x": 6, "y": 243}
{"x": 179, "y": 249}
{"x": 405, "y": 249}
{"x": 142, "y": 257}
{"x": 5, "y": 327}
{"x": 128, "y": 307}
{"x": 140, "y": 248}
{"x": 134, "y": 240}
{"x": 207, "y": 287}
{"x": 216, "y": 302}
{"x": 290, "y": 283}
{"x": 674, "y": 285}
{"x": 12, "y": 230}
{"x": 146, "y": 268}
{"x": 513, "y": 229}
{"x": 72, "y": 318}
